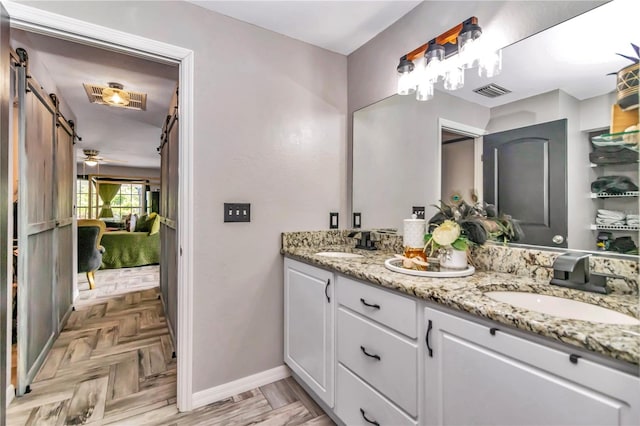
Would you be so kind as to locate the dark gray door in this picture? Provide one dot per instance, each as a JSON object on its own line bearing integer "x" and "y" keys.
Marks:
{"x": 525, "y": 176}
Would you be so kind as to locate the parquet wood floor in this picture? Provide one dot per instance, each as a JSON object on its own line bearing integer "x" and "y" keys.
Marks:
{"x": 113, "y": 364}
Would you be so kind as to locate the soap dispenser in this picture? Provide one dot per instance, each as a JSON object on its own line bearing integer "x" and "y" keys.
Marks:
{"x": 413, "y": 238}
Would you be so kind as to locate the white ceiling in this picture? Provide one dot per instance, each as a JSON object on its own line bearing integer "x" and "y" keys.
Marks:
{"x": 339, "y": 26}
{"x": 117, "y": 133}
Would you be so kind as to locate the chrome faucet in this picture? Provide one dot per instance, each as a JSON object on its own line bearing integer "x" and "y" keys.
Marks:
{"x": 571, "y": 270}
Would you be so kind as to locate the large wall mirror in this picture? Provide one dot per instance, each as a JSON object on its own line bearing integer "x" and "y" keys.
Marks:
{"x": 408, "y": 153}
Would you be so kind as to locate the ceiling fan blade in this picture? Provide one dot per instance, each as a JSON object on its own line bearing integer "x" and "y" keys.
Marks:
{"x": 109, "y": 160}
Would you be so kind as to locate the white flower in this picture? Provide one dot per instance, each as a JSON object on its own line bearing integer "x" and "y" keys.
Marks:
{"x": 446, "y": 233}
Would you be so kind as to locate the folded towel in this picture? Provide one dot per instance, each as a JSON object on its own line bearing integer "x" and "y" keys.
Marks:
{"x": 611, "y": 214}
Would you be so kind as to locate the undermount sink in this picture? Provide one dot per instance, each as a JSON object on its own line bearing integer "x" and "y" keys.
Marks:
{"x": 561, "y": 307}
{"x": 340, "y": 254}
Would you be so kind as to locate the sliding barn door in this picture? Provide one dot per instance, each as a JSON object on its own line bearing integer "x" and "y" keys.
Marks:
{"x": 45, "y": 223}
{"x": 37, "y": 318}
{"x": 64, "y": 182}
{"x": 169, "y": 213}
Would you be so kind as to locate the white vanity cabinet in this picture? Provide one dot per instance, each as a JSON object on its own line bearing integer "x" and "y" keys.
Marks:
{"x": 478, "y": 374}
{"x": 378, "y": 357}
{"x": 309, "y": 326}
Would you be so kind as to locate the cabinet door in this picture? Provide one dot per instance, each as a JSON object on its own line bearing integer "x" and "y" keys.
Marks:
{"x": 308, "y": 326}
{"x": 474, "y": 377}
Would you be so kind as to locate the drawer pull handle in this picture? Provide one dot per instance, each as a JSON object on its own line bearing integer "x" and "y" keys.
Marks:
{"x": 326, "y": 287}
{"x": 364, "y": 302}
{"x": 364, "y": 351}
{"x": 364, "y": 416}
{"x": 426, "y": 338}
{"x": 493, "y": 330}
{"x": 574, "y": 358}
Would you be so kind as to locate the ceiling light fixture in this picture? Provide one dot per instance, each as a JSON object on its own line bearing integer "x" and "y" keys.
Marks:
{"x": 446, "y": 57}
{"x": 90, "y": 162}
{"x": 114, "y": 95}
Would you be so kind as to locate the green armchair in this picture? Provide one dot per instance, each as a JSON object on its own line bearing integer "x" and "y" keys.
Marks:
{"x": 90, "y": 251}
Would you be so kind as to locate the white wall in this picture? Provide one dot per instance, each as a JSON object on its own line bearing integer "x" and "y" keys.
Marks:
{"x": 270, "y": 129}
{"x": 396, "y": 155}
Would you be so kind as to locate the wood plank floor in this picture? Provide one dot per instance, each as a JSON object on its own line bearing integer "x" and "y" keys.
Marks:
{"x": 113, "y": 364}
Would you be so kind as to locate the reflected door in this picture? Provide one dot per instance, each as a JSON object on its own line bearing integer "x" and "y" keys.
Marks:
{"x": 525, "y": 176}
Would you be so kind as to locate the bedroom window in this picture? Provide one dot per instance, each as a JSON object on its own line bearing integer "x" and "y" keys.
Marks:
{"x": 82, "y": 199}
{"x": 128, "y": 200}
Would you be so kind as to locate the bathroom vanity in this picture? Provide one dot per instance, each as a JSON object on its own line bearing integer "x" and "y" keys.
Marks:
{"x": 378, "y": 347}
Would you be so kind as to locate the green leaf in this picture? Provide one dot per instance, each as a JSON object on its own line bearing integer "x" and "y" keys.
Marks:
{"x": 460, "y": 244}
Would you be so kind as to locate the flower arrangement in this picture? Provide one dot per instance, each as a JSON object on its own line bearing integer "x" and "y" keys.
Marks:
{"x": 462, "y": 225}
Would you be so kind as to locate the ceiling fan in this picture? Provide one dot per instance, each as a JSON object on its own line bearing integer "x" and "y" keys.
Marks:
{"x": 92, "y": 158}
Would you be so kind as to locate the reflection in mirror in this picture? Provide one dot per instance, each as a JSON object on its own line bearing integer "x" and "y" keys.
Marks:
{"x": 403, "y": 156}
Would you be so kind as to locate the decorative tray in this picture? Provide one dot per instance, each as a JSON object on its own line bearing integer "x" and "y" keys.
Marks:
{"x": 395, "y": 264}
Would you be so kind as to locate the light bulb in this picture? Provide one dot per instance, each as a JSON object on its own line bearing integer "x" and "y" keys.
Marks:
{"x": 490, "y": 64}
{"x": 91, "y": 163}
{"x": 454, "y": 74}
{"x": 425, "y": 91}
{"x": 406, "y": 79}
{"x": 406, "y": 85}
{"x": 469, "y": 49}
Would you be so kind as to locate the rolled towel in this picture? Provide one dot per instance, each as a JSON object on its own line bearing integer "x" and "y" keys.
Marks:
{"x": 609, "y": 222}
{"x": 611, "y": 214}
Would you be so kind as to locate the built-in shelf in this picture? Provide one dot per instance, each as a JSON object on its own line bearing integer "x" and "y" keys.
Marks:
{"x": 612, "y": 164}
{"x": 614, "y": 228}
{"x": 611, "y": 195}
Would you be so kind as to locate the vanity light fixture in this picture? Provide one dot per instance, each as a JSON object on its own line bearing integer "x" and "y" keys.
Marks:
{"x": 446, "y": 58}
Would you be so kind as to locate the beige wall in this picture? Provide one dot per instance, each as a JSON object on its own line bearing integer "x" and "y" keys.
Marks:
{"x": 270, "y": 129}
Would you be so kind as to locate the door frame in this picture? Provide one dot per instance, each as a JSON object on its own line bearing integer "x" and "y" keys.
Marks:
{"x": 464, "y": 129}
{"x": 59, "y": 26}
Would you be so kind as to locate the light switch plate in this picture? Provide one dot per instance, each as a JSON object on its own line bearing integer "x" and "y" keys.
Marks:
{"x": 237, "y": 212}
{"x": 357, "y": 220}
{"x": 418, "y": 211}
{"x": 333, "y": 220}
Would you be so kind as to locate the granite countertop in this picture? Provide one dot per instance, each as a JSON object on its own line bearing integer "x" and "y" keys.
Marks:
{"x": 621, "y": 342}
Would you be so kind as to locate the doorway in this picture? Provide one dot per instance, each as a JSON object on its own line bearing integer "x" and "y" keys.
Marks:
{"x": 24, "y": 17}
{"x": 460, "y": 148}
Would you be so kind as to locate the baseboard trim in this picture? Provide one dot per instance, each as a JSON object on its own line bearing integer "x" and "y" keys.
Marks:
{"x": 235, "y": 387}
{"x": 11, "y": 393}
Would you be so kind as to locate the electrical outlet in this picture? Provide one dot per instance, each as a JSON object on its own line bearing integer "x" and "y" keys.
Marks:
{"x": 418, "y": 211}
{"x": 333, "y": 220}
{"x": 357, "y": 220}
{"x": 237, "y": 212}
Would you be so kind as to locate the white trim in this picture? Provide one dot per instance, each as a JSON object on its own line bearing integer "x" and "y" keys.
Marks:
{"x": 54, "y": 25}
{"x": 11, "y": 393}
{"x": 185, "y": 235}
{"x": 465, "y": 129}
{"x": 244, "y": 384}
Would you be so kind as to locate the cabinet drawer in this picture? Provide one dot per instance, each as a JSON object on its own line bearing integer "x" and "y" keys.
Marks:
{"x": 386, "y": 361}
{"x": 393, "y": 310}
{"x": 355, "y": 400}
